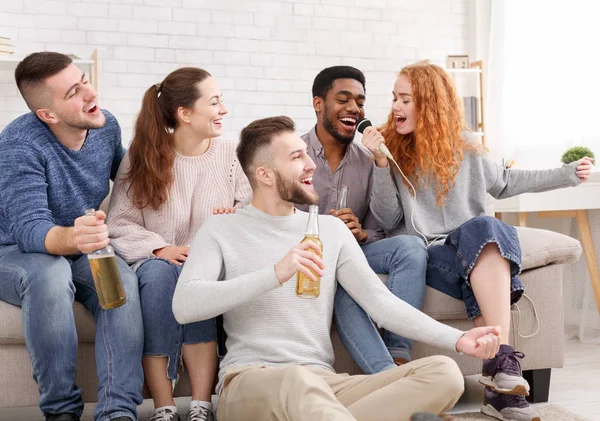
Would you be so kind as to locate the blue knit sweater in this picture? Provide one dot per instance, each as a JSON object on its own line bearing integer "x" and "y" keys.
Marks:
{"x": 44, "y": 184}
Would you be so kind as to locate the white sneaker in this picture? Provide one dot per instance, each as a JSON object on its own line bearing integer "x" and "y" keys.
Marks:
{"x": 165, "y": 414}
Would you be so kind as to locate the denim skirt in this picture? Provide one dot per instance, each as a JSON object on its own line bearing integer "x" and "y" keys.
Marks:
{"x": 451, "y": 263}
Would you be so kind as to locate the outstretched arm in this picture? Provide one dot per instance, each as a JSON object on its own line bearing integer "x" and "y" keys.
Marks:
{"x": 395, "y": 315}
{"x": 506, "y": 182}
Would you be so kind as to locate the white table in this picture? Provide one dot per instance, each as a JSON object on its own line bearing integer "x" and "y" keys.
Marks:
{"x": 571, "y": 202}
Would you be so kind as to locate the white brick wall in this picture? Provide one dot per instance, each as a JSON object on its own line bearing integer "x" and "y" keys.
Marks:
{"x": 265, "y": 54}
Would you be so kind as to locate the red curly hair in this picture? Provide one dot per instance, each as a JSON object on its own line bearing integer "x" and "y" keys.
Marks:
{"x": 434, "y": 150}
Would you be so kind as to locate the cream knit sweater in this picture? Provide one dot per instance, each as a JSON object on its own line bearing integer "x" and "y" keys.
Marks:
{"x": 230, "y": 271}
{"x": 201, "y": 183}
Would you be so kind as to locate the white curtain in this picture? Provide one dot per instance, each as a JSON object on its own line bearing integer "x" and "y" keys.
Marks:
{"x": 543, "y": 96}
{"x": 543, "y": 79}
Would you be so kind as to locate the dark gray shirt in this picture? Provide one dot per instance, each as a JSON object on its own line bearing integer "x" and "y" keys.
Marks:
{"x": 355, "y": 171}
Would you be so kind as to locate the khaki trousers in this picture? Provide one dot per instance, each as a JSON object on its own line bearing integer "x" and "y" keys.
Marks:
{"x": 294, "y": 393}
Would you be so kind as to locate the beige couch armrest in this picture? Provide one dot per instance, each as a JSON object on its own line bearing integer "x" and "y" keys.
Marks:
{"x": 543, "y": 247}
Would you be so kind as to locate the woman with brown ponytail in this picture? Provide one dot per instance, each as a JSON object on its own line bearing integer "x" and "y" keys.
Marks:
{"x": 176, "y": 173}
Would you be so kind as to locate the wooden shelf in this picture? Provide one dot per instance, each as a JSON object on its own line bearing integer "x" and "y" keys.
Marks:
{"x": 473, "y": 70}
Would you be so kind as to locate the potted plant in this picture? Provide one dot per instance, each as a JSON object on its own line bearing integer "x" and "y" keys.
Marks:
{"x": 575, "y": 154}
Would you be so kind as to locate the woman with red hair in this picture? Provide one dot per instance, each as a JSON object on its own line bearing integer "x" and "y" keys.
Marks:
{"x": 437, "y": 191}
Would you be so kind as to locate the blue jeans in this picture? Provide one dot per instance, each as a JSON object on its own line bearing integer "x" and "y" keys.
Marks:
{"x": 404, "y": 260}
{"x": 450, "y": 264}
{"x": 45, "y": 286}
{"x": 163, "y": 336}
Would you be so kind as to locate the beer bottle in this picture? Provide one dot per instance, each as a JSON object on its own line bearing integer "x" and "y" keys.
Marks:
{"x": 343, "y": 202}
{"x": 306, "y": 287}
{"x": 105, "y": 272}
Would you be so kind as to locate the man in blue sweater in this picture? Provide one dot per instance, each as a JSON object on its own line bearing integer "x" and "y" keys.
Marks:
{"x": 56, "y": 162}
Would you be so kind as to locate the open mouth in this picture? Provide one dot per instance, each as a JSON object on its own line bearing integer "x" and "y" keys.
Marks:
{"x": 92, "y": 108}
{"x": 218, "y": 123}
{"x": 349, "y": 122}
{"x": 307, "y": 181}
{"x": 400, "y": 119}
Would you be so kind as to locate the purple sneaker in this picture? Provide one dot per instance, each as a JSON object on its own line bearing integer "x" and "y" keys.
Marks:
{"x": 503, "y": 373}
{"x": 508, "y": 407}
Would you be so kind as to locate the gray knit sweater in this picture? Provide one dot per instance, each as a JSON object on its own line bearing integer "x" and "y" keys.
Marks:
{"x": 392, "y": 202}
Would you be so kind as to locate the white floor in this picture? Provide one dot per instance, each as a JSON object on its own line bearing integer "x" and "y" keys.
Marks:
{"x": 575, "y": 387}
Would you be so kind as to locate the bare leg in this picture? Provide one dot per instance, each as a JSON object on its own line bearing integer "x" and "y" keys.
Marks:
{"x": 155, "y": 372}
{"x": 490, "y": 280}
{"x": 201, "y": 363}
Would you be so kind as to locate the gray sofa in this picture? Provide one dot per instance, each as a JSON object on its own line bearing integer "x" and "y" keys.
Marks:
{"x": 543, "y": 254}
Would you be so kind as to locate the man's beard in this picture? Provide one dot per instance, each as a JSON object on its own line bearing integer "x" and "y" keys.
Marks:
{"x": 346, "y": 140}
{"x": 82, "y": 123}
{"x": 293, "y": 193}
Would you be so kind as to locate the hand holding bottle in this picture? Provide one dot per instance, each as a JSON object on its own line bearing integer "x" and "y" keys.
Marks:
{"x": 90, "y": 232}
{"x": 300, "y": 259}
{"x": 352, "y": 222}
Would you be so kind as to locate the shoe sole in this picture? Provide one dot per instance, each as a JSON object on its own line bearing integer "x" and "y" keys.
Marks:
{"x": 518, "y": 390}
{"x": 490, "y": 411}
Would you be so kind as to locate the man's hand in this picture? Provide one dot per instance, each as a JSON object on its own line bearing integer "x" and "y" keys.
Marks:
{"x": 90, "y": 232}
{"x": 175, "y": 255}
{"x": 481, "y": 342}
{"x": 372, "y": 139}
{"x": 584, "y": 168}
{"x": 351, "y": 221}
{"x": 300, "y": 259}
{"x": 218, "y": 211}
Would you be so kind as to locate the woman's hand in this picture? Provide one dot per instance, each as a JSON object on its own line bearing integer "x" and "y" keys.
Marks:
{"x": 174, "y": 255}
{"x": 584, "y": 168}
{"x": 372, "y": 139}
{"x": 219, "y": 211}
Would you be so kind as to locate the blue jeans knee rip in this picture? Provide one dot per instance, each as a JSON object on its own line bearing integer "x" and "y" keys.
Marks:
{"x": 199, "y": 331}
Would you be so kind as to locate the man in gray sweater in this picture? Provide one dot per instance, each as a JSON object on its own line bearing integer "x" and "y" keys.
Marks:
{"x": 279, "y": 364}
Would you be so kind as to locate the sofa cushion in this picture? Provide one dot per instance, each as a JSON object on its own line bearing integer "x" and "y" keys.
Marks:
{"x": 542, "y": 247}
{"x": 11, "y": 328}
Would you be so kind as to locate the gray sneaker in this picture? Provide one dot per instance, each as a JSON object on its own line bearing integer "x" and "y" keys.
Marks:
{"x": 508, "y": 407}
{"x": 164, "y": 415}
{"x": 503, "y": 373}
{"x": 200, "y": 413}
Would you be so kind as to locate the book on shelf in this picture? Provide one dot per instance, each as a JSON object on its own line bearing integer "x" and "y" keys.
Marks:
{"x": 5, "y": 41}
{"x": 8, "y": 49}
{"x": 471, "y": 112}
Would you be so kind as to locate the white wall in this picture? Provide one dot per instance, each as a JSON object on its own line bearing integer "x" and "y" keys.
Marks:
{"x": 265, "y": 54}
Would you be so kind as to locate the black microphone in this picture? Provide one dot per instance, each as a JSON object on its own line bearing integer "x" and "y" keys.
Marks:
{"x": 361, "y": 127}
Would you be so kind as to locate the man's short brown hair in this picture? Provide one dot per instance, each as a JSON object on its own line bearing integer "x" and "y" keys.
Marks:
{"x": 32, "y": 72}
{"x": 257, "y": 136}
